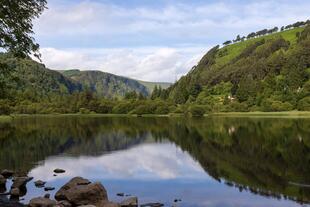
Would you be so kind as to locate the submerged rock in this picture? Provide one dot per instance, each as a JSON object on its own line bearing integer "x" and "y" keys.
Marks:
{"x": 130, "y": 202}
{"x": 42, "y": 202}
{"x": 58, "y": 170}
{"x": 49, "y": 188}
{"x": 47, "y": 195}
{"x": 79, "y": 191}
{"x": 120, "y": 194}
{"x": 39, "y": 183}
{"x": 152, "y": 205}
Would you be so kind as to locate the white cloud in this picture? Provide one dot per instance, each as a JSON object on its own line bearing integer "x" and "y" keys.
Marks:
{"x": 150, "y": 42}
{"x": 151, "y": 64}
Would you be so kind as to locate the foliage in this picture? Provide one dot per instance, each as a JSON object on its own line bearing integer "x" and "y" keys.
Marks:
{"x": 106, "y": 84}
{"x": 196, "y": 110}
{"x": 16, "y": 25}
{"x": 269, "y": 73}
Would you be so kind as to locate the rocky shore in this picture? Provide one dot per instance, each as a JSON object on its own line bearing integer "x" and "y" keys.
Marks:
{"x": 78, "y": 192}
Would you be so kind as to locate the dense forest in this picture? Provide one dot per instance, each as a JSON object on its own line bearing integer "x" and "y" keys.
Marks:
{"x": 265, "y": 71}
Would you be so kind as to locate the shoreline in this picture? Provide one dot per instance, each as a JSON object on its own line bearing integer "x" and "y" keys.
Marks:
{"x": 285, "y": 114}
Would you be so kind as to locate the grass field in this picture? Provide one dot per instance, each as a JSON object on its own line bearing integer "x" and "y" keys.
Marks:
{"x": 235, "y": 49}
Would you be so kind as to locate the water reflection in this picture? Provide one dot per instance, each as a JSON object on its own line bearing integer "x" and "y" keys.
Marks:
{"x": 143, "y": 162}
{"x": 206, "y": 162}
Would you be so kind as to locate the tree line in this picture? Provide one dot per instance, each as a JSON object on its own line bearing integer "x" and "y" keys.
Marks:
{"x": 266, "y": 32}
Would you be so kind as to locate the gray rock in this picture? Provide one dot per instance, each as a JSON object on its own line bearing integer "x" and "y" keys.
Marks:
{"x": 15, "y": 192}
{"x": 7, "y": 173}
{"x": 130, "y": 202}
{"x": 41, "y": 202}
{"x": 49, "y": 188}
{"x": 47, "y": 195}
{"x": 79, "y": 191}
{"x": 39, "y": 183}
{"x": 63, "y": 204}
{"x": 19, "y": 182}
{"x": 2, "y": 180}
{"x": 152, "y": 205}
{"x": 60, "y": 195}
{"x": 109, "y": 204}
{"x": 87, "y": 206}
{"x": 58, "y": 170}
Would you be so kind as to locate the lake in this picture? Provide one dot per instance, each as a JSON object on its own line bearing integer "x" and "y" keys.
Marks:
{"x": 212, "y": 162}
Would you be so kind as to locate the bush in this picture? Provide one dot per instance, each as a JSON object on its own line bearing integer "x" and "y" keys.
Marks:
{"x": 281, "y": 106}
{"x": 123, "y": 108}
{"x": 196, "y": 110}
{"x": 84, "y": 111}
{"x": 5, "y": 107}
{"x": 304, "y": 104}
{"x": 238, "y": 107}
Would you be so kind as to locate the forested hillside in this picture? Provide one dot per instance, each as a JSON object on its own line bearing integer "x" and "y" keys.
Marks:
{"x": 106, "y": 84}
{"x": 266, "y": 73}
{"x": 28, "y": 79}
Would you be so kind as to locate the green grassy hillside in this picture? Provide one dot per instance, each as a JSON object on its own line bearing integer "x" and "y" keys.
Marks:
{"x": 269, "y": 73}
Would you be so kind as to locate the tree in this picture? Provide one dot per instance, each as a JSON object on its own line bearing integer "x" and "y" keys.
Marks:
{"x": 251, "y": 35}
{"x": 227, "y": 42}
{"x": 16, "y": 25}
{"x": 16, "y": 30}
{"x": 132, "y": 95}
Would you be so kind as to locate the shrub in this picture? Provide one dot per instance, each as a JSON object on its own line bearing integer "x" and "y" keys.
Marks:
{"x": 122, "y": 108}
{"x": 196, "y": 110}
{"x": 238, "y": 107}
{"x": 304, "y": 104}
{"x": 281, "y": 106}
{"x": 4, "y": 107}
{"x": 84, "y": 111}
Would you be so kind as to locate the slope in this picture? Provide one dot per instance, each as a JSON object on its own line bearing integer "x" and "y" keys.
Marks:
{"x": 106, "y": 84}
{"x": 269, "y": 73}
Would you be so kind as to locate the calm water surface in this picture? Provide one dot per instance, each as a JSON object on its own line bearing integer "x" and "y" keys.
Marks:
{"x": 213, "y": 162}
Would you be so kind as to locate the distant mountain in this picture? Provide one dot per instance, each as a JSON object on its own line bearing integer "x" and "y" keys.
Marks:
{"x": 151, "y": 85}
{"x": 33, "y": 79}
{"x": 106, "y": 84}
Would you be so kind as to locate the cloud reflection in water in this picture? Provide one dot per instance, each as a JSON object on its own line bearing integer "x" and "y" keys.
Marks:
{"x": 155, "y": 161}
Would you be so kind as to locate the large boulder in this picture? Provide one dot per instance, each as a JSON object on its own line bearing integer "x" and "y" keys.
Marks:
{"x": 41, "y": 202}
{"x": 130, "y": 202}
{"x": 15, "y": 192}
{"x": 109, "y": 204}
{"x": 79, "y": 191}
{"x": 7, "y": 173}
{"x": 19, "y": 182}
{"x": 63, "y": 204}
{"x": 2, "y": 184}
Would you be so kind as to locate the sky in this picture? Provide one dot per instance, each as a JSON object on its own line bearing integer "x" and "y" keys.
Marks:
{"x": 152, "y": 40}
